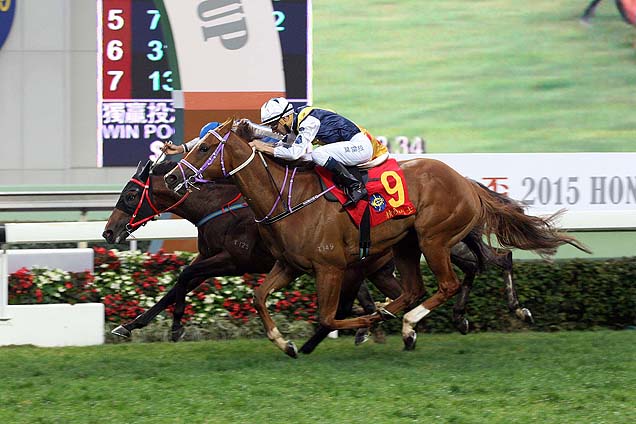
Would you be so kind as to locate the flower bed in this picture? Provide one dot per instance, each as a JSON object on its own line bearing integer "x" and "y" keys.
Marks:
{"x": 129, "y": 282}
{"x": 569, "y": 294}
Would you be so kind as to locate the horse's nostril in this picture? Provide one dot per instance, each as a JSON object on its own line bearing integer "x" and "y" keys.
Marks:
{"x": 107, "y": 235}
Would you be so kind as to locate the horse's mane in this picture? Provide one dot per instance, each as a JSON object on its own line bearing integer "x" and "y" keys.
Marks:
{"x": 163, "y": 168}
{"x": 244, "y": 131}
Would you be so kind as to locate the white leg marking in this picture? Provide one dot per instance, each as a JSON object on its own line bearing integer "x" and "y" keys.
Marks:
{"x": 411, "y": 318}
{"x": 275, "y": 336}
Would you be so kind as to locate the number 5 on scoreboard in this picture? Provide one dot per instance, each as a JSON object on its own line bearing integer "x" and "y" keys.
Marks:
{"x": 395, "y": 188}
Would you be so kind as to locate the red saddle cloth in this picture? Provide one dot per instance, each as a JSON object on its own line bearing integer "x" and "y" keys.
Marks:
{"x": 388, "y": 196}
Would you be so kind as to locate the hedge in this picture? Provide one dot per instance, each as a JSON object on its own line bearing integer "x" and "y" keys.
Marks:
{"x": 567, "y": 294}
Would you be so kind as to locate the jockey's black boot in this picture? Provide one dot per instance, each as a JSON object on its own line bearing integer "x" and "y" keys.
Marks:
{"x": 353, "y": 187}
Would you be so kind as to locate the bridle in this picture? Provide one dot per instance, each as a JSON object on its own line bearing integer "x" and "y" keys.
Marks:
{"x": 197, "y": 177}
{"x": 146, "y": 197}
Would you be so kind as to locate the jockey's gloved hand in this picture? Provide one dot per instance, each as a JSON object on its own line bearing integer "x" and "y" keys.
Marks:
{"x": 172, "y": 149}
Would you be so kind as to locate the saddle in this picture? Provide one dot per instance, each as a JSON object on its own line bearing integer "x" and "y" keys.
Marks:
{"x": 380, "y": 206}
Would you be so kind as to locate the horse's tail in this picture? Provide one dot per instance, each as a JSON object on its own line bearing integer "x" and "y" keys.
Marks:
{"x": 506, "y": 219}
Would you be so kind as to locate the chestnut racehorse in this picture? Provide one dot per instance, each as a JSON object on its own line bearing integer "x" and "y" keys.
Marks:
{"x": 317, "y": 236}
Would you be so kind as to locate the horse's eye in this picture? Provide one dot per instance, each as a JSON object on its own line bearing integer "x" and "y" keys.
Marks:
{"x": 131, "y": 196}
{"x": 204, "y": 148}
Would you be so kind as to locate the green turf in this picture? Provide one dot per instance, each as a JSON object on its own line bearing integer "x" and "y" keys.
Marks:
{"x": 479, "y": 76}
{"x": 568, "y": 377}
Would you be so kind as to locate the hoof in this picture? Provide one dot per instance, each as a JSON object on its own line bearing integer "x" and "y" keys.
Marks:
{"x": 462, "y": 326}
{"x": 362, "y": 335}
{"x": 527, "y": 315}
{"x": 379, "y": 336}
{"x": 291, "y": 350}
{"x": 524, "y": 315}
{"x": 410, "y": 340}
{"x": 121, "y": 331}
{"x": 177, "y": 334}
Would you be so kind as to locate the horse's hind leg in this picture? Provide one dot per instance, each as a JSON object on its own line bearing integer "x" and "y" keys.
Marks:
{"x": 504, "y": 261}
{"x": 438, "y": 259}
{"x": 459, "y": 309}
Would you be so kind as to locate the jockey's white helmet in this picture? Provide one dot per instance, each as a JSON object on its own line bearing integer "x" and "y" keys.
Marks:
{"x": 274, "y": 109}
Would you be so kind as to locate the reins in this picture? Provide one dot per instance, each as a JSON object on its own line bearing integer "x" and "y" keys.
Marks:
{"x": 229, "y": 207}
{"x": 197, "y": 177}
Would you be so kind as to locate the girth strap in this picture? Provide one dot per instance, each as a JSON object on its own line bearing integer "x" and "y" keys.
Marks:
{"x": 365, "y": 233}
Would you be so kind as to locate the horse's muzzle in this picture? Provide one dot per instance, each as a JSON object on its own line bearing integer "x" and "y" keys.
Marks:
{"x": 109, "y": 236}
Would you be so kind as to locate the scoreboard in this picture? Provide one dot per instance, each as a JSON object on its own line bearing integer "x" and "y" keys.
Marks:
{"x": 140, "y": 70}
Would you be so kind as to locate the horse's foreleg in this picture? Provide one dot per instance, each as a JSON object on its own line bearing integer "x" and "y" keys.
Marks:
{"x": 438, "y": 259}
{"x": 185, "y": 285}
{"x": 198, "y": 271}
{"x": 368, "y": 305}
{"x": 385, "y": 280}
{"x": 345, "y": 305}
{"x": 589, "y": 11}
{"x": 329, "y": 281}
{"x": 322, "y": 332}
{"x": 406, "y": 255}
{"x": 280, "y": 276}
{"x": 365, "y": 299}
{"x": 125, "y": 330}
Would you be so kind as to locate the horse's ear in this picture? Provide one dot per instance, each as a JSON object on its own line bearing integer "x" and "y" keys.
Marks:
{"x": 143, "y": 174}
{"x": 229, "y": 122}
{"x": 139, "y": 169}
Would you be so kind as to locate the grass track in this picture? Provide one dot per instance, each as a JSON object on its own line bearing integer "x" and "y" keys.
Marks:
{"x": 568, "y": 377}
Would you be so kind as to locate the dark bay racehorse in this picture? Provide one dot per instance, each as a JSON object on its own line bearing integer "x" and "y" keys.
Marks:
{"x": 229, "y": 244}
{"x": 449, "y": 207}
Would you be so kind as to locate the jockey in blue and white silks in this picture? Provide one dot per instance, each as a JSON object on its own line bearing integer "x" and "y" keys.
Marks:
{"x": 341, "y": 142}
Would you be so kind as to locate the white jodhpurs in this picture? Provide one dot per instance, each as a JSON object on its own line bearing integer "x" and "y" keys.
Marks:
{"x": 349, "y": 153}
